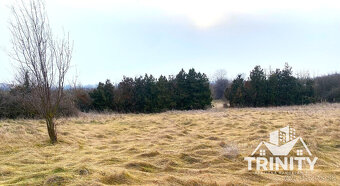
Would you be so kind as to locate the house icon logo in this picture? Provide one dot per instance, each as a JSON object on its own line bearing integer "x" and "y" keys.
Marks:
{"x": 281, "y": 143}
{"x": 283, "y": 151}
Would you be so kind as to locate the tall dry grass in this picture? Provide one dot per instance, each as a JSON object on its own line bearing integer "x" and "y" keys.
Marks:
{"x": 172, "y": 148}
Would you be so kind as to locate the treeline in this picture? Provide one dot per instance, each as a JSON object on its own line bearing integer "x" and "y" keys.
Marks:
{"x": 144, "y": 94}
{"x": 327, "y": 88}
{"x": 147, "y": 94}
{"x": 185, "y": 91}
{"x": 280, "y": 87}
{"x": 18, "y": 103}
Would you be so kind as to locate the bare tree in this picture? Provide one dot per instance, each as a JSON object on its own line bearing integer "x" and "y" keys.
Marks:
{"x": 220, "y": 74}
{"x": 45, "y": 58}
{"x": 220, "y": 84}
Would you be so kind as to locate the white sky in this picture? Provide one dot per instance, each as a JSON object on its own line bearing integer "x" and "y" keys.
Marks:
{"x": 204, "y": 13}
{"x": 131, "y": 37}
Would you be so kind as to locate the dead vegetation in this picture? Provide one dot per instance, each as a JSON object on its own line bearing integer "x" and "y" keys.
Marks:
{"x": 172, "y": 148}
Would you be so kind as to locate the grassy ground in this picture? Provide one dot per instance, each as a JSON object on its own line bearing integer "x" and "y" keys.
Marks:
{"x": 172, "y": 148}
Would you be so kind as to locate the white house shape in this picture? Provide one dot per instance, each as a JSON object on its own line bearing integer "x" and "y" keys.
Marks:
{"x": 282, "y": 150}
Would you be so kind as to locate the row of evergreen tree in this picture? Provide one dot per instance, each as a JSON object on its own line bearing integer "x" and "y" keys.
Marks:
{"x": 147, "y": 94}
{"x": 280, "y": 87}
{"x": 185, "y": 91}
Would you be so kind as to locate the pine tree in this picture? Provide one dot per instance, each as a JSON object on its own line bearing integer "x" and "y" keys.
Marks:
{"x": 182, "y": 96}
{"x": 109, "y": 95}
{"x": 258, "y": 87}
{"x": 274, "y": 88}
{"x": 125, "y": 95}
{"x": 236, "y": 93}
{"x": 98, "y": 97}
{"x": 164, "y": 93}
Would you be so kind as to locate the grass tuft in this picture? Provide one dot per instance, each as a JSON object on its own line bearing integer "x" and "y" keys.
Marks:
{"x": 149, "y": 154}
{"x": 55, "y": 181}
{"x": 118, "y": 178}
{"x": 188, "y": 159}
{"x": 142, "y": 166}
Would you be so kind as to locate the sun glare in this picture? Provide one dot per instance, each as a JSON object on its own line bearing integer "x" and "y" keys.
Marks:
{"x": 201, "y": 13}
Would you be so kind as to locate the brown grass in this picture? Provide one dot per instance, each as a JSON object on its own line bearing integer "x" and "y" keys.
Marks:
{"x": 172, "y": 148}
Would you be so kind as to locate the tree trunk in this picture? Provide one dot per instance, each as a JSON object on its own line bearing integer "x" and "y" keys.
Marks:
{"x": 52, "y": 130}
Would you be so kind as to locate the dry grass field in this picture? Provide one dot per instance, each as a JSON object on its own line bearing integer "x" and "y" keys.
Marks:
{"x": 172, "y": 148}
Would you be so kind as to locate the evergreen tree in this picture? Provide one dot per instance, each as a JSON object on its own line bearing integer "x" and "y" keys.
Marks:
{"x": 258, "y": 87}
{"x": 140, "y": 93}
{"x": 165, "y": 94}
{"x": 192, "y": 90}
{"x": 274, "y": 88}
{"x": 98, "y": 97}
{"x": 103, "y": 96}
{"x": 289, "y": 87}
{"x": 182, "y": 96}
{"x": 281, "y": 88}
{"x": 125, "y": 95}
{"x": 149, "y": 95}
{"x": 203, "y": 94}
{"x": 109, "y": 95}
{"x": 236, "y": 93}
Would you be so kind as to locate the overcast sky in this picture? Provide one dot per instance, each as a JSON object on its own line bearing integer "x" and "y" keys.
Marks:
{"x": 113, "y": 38}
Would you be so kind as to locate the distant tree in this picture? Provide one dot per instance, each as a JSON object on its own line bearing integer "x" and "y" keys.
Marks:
{"x": 139, "y": 94}
{"x": 220, "y": 74}
{"x": 83, "y": 99}
{"x": 146, "y": 94}
{"x": 236, "y": 92}
{"x": 165, "y": 94}
{"x": 289, "y": 87}
{"x": 150, "y": 94}
{"x": 333, "y": 95}
{"x": 109, "y": 95}
{"x": 306, "y": 92}
{"x": 172, "y": 92}
{"x": 192, "y": 90}
{"x": 125, "y": 95}
{"x": 199, "y": 91}
{"x": 280, "y": 88}
{"x": 258, "y": 87}
{"x": 274, "y": 80}
{"x": 182, "y": 95}
{"x": 327, "y": 88}
{"x": 220, "y": 84}
{"x": 45, "y": 58}
{"x": 99, "y": 98}
{"x": 103, "y": 96}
